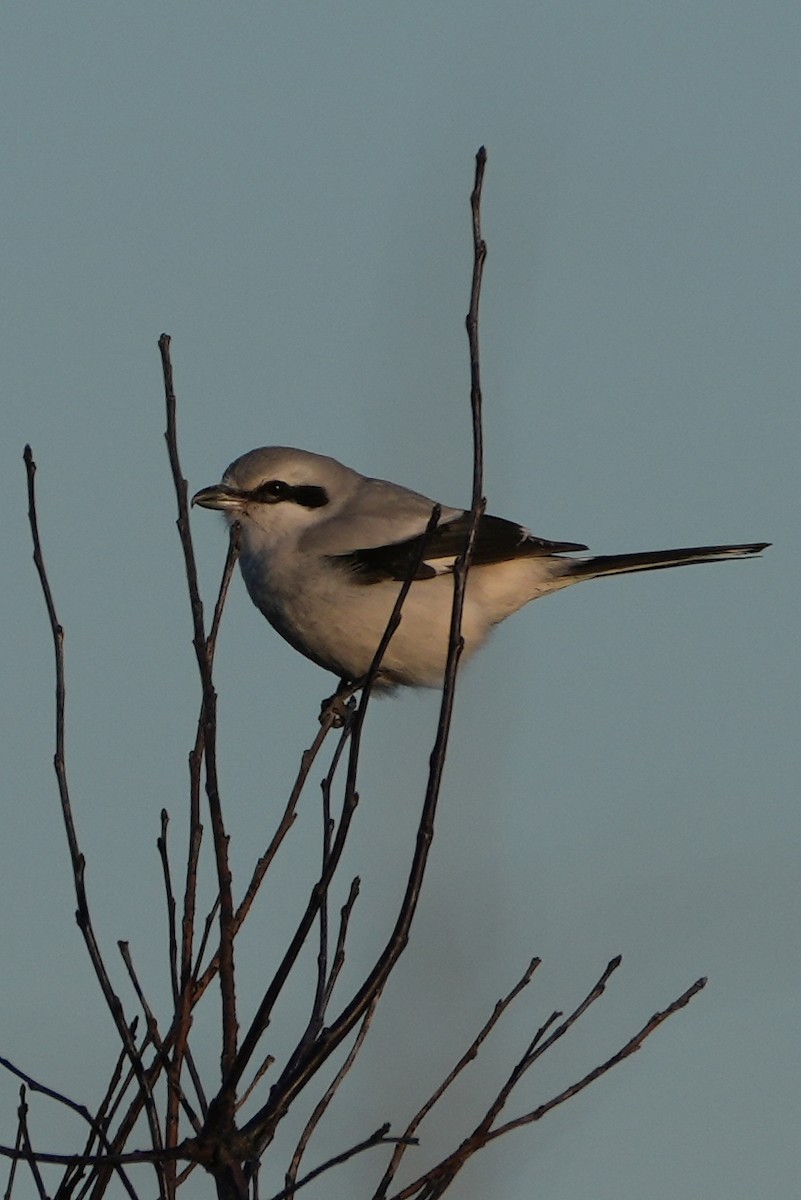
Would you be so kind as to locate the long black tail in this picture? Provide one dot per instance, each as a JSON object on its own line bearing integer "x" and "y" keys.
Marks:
{"x": 657, "y": 560}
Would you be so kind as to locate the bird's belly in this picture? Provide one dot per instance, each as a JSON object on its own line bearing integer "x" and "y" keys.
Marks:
{"x": 339, "y": 624}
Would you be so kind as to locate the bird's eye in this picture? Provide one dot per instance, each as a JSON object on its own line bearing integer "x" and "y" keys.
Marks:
{"x": 271, "y": 489}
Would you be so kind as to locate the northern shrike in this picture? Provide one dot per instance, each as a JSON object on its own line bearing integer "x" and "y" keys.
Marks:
{"x": 324, "y": 552}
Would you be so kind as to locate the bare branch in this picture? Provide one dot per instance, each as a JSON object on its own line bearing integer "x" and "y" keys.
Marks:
{"x": 339, "y": 951}
{"x": 83, "y": 917}
{"x": 435, "y": 1182}
{"x": 108, "y": 1106}
{"x": 79, "y": 1109}
{"x": 328, "y": 1096}
{"x": 468, "y": 1056}
{"x": 316, "y": 1018}
{"x": 626, "y": 1051}
{"x": 379, "y": 1138}
{"x": 95, "y": 1160}
{"x": 161, "y": 844}
{"x": 209, "y": 720}
{"x": 13, "y": 1168}
{"x": 201, "y": 950}
{"x": 479, "y": 258}
{"x": 540, "y": 1045}
{"x": 225, "y": 583}
{"x": 255, "y": 1081}
{"x": 260, "y": 1128}
{"x": 152, "y": 1028}
{"x": 25, "y": 1144}
{"x": 327, "y": 722}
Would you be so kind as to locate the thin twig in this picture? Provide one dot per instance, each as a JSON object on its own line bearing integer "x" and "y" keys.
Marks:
{"x": 227, "y": 986}
{"x": 471, "y": 323}
{"x": 83, "y": 916}
{"x": 94, "y": 1160}
{"x": 318, "y": 1007}
{"x": 182, "y": 1176}
{"x": 626, "y": 1051}
{"x": 261, "y": 1126}
{"x": 540, "y": 1046}
{"x": 339, "y": 951}
{"x": 468, "y": 1056}
{"x": 436, "y": 1181}
{"x": 12, "y": 1171}
{"x": 108, "y": 1106}
{"x": 79, "y": 1109}
{"x": 153, "y": 1030}
{"x": 255, "y": 1081}
{"x": 327, "y": 722}
{"x": 231, "y": 560}
{"x": 208, "y": 925}
{"x": 325, "y": 1100}
{"x": 161, "y": 845}
{"x": 189, "y": 994}
{"x": 25, "y": 1144}
{"x": 379, "y": 1138}
{"x": 317, "y": 1015}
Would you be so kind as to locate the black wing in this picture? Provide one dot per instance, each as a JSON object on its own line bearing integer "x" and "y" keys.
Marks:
{"x": 497, "y": 540}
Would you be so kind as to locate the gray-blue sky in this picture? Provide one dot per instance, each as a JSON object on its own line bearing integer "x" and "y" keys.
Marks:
{"x": 284, "y": 189}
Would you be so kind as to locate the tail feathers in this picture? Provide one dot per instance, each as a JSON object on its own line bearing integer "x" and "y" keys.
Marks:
{"x": 656, "y": 560}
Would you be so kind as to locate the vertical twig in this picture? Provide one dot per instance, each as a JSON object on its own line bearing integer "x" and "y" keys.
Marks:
{"x": 261, "y": 1126}
{"x": 82, "y": 916}
{"x": 325, "y": 1100}
{"x": 189, "y": 994}
{"x": 161, "y": 845}
{"x": 25, "y": 1144}
{"x": 227, "y": 986}
{"x": 438, "y": 1093}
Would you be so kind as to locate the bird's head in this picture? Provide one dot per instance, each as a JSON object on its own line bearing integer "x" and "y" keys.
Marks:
{"x": 278, "y": 491}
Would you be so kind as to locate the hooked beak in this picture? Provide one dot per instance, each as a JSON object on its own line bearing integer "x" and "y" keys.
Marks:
{"x": 220, "y": 496}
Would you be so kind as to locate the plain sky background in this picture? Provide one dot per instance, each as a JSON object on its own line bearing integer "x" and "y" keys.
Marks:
{"x": 284, "y": 188}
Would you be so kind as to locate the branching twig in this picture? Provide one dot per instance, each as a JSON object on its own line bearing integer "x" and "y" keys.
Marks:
{"x": 108, "y": 1106}
{"x": 434, "y": 1183}
{"x": 209, "y": 719}
{"x": 189, "y": 994}
{"x": 626, "y": 1051}
{"x": 260, "y": 1128}
{"x": 327, "y": 722}
{"x": 26, "y": 1148}
{"x": 230, "y": 1154}
{"x": 317, "y": 1016}
{"x": 379, "y": 1138}
{"x": 83, "y": 916}
{"x": 152, "y": 1028}
{"x": 339, "y": 950}
{"x": 325, "y": 1101}
{"x": 79, "y": 1109}
{"x": 467, "y": 1057}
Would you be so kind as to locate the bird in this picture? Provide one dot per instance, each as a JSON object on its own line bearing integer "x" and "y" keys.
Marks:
{"x": 324, "y": 552}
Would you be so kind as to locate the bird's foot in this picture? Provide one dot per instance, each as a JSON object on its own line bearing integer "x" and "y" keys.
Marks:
{"x": 339, "y": 708}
